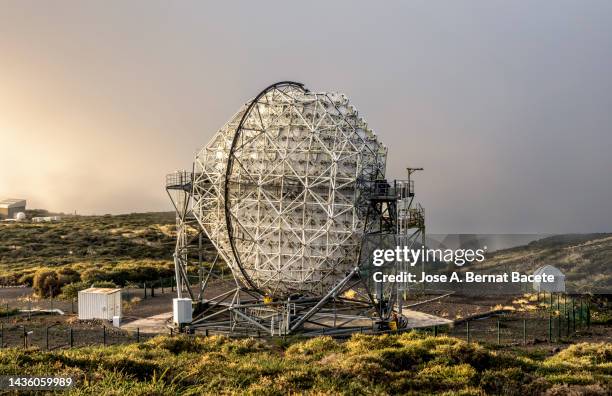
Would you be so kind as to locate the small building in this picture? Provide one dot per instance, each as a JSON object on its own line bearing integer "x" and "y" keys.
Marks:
{"x": 99, "y": 303}
{"x": 10, "y": 207}
{"x": 45, "y": 219}
{"x": 557, "y": 286}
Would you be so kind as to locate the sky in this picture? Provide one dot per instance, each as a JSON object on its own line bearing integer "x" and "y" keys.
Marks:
{"x": 507, "y": 105}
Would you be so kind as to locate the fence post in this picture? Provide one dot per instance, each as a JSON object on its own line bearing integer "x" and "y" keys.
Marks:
{"x": 171, "y": 332}
{"x": 137, "y": 334}
{"x": 550, "y": 327}
{"x": 161, "y": 284}
{"x": 47, "y": 338}
{"x": 580, "y": 317}
{"x": 559, "y": 326}
{"x": 498, "y": 332}
{"x": 435, "y": 330}
{"x": 25, "y": 338}
{"x": 588, "y": 313}
{"x": 152, "y": 289}
{"x": 467, "y": 327}
{"x": 71, "y": 338}
{"x": 145, "y": 290}
{"x": 552, "y": 301}
{"x": 550, "y": 305}
{"x": 573, "y": 316}
{"x": 567, "y": 319}
{"x": 172, "y": 283}
{"x": 104, "y": 335}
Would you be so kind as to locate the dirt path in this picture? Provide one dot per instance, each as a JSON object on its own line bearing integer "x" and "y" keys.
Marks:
{"x": 156, "y": 324}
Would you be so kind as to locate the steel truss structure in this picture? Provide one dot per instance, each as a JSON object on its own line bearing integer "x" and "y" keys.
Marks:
{"x": 292, "y": 194}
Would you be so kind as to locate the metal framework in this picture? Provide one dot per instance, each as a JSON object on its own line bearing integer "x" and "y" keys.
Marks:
{"x": 290, "y": 192}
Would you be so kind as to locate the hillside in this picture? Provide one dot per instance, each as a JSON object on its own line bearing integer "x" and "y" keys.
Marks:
{"x": 131, "y": 247}
{"x": 585, "y": 259}
{"x": 137, "y": 247}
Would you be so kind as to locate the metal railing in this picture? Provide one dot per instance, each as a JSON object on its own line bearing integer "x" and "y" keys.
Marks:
{"x": 179, "y": 179}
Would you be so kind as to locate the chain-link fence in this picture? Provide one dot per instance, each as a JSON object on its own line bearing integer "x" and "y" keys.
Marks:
{"x": 25, "y": 305}
{"x": 557, "y": 319}
{"x": 63, "y": 336}
{"x": 558, "y": 322}
{"x": 515, "y": 330}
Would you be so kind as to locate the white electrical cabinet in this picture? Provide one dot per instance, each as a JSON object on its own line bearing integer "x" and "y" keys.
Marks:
{"x": 181, "y": 310}
{"x": 99, "y": 303}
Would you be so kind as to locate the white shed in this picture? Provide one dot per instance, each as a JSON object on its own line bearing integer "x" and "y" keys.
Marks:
{"x": 99, "y": 303}
{"x": 557, "y": 286}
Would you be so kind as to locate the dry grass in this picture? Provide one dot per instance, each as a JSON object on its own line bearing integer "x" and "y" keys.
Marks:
{"x": 388, "y": 364}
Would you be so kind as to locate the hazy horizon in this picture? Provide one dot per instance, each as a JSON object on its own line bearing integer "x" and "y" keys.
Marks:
{"x": 506, "y": 105}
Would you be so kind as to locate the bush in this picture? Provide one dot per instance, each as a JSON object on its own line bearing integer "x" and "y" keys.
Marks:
{"x": 68, "y": 275}
{"x": 26, "y": 279}
{"x": 72, "y": 290}
{"x": 504, "y": 382}
{"x": 440, "y": 377}
{"x": 46, "y": 283}
{"x": 316, "y": 347}
{"x": 93, "y": 275}
{"x": 584, "y": 355}
{"x": 187, "y": 365}
{"x": 400, "y": 359}
{"x": 361, "y": 343}
{"x": 107, "y": 284}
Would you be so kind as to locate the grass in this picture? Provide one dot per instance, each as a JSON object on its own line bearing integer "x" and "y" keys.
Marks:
{"x": 389, "y": 364}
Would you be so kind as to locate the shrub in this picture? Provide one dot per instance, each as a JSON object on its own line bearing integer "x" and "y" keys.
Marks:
{"x": 504, "y": 382}
{"x": 68, "y": 275}
{"x": 92, "y": 275}
{"x": 316, "y": 347}
{"x": 576, "y": 390}
{"x": 107, "y": 284}
{"x": 446, "y": 377}
{"x": 472, "y": 354}
{"x": 243, "y": 346}
{"x": 400, "y": 359}
{"x": 185, "y": 365}
{"x": 26, "y": 279}
{"x": 72, "y": 290}
{"x": 359, "y": 343}
{"x": 46, "y": 283}
{"x": 584, "y": 355}
{"x": 183, "y": 343}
